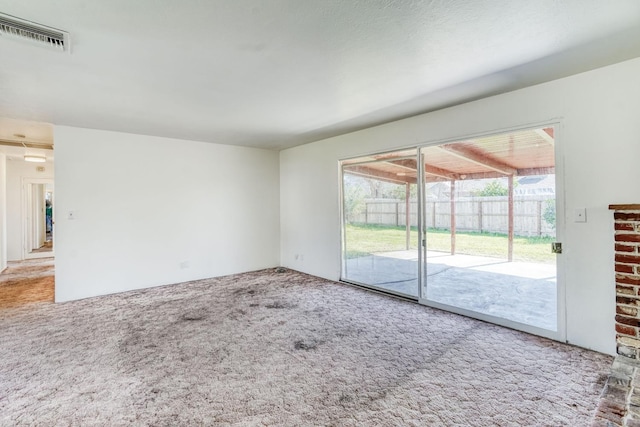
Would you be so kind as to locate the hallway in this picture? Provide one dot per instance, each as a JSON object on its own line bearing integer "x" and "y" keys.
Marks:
{"x": 24, "y": 282}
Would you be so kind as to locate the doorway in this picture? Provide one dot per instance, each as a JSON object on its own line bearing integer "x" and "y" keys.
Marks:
{"x": 471, "y": 232}
{"x": 38, "y": 218}
{"x": 28, "y": 281}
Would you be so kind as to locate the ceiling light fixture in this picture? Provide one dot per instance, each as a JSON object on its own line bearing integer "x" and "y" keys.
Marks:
{"x": 35, "y": 159}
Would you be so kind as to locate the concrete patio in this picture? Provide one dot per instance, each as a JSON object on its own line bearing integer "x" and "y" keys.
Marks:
{"x": 519, "y": 291}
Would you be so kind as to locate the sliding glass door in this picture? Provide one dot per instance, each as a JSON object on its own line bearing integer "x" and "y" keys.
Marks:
{"x": 380, "y": 217}
{"x": 466, "y": 226}
{"x": 489, "y": 221}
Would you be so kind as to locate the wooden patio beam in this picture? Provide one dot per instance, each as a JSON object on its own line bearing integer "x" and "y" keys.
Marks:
{"x": 549, "y": 170}
{"x": 453, "y": 217}
{"x": 367, "y": 172}
{"x": 510, "y": 221}
{"x": 481, "y": 175}
{"x": 547, "y": 135}
{"x": 406, "y": 164}
{"x": 441, "y": 173}
{"x": 412, "y": 165}
{"x": 521, "y": 172}
{"x": 478, "y": 158}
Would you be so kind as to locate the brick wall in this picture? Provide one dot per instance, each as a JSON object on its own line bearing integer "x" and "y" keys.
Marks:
{"x": 627, "y": 274}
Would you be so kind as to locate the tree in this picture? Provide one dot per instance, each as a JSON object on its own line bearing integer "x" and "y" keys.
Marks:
{"x": 549, "y": 213}
{"x": 400, "y": 192}
{"x": 494, "y": 188}
{"x": 353, "y": 202}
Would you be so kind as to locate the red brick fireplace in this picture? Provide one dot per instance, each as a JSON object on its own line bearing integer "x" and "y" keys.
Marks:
{"x": 627, "y": 273}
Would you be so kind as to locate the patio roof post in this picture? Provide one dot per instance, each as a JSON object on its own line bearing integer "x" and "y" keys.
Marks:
{"x": 510, "y": 251}
{"x": 453, "y": 217}
{"x": 407, "y": 213}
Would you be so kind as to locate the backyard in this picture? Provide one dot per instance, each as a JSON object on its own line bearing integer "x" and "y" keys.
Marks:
{"x": 364, "y": 239}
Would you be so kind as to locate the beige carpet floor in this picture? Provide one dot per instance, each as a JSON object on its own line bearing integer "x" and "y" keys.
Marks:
{"x": 26, "y": 282}
{"x": 283, "y": 349}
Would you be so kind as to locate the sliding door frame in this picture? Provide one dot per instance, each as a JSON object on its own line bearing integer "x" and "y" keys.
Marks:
{"x": 343, "y": 237}
{"x": 560, "y": 333}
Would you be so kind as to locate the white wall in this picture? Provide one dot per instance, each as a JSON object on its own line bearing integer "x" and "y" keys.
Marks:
{"x": 3, "y": 211}
{"x": 145, "y": 206}
{"x": 599, "y": 137}
{"x": 17, "y": 170}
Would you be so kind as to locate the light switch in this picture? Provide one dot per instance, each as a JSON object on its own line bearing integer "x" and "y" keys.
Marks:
{"x": 580, "y": 215}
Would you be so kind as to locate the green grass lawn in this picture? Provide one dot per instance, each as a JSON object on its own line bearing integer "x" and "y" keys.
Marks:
{"x": 367, "y": 239}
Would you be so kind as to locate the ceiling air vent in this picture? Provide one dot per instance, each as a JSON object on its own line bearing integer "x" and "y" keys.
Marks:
{"x": 40, "y": 35}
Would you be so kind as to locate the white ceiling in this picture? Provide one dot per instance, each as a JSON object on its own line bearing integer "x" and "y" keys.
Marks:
{"x": 277, "y": 73}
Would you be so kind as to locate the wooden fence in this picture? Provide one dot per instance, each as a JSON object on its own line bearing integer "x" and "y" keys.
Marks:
{"x": 479, "y": 214}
